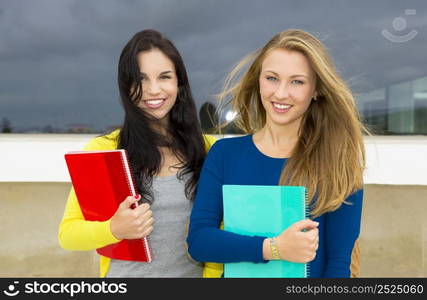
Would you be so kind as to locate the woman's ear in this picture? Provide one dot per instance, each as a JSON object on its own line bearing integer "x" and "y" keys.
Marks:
{"x": 315, "y": 96}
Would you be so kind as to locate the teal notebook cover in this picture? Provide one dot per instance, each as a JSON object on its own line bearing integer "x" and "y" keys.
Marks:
{"x": 263, "y": 211}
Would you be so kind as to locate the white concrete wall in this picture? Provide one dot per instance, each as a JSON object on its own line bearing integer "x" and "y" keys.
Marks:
{"x": 395, "y": 160}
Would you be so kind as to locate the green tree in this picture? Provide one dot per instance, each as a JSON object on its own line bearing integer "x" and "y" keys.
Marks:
{"x": 6, "y": 128}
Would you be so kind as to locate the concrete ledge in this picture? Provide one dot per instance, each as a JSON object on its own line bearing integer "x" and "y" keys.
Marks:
{"x": 397, "y": 160}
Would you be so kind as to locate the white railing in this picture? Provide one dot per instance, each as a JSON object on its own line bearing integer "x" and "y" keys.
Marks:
{"x": 397, "y": 160}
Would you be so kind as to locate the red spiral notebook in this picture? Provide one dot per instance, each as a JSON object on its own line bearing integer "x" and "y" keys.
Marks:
{"x": 102, "y": 180}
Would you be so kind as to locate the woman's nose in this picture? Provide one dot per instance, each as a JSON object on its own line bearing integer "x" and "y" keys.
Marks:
{"x": 282, "y": 91}
{"x": 152, "y": 88}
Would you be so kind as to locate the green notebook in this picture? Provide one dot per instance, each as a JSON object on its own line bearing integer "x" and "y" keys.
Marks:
{"x": 263, "y": 211}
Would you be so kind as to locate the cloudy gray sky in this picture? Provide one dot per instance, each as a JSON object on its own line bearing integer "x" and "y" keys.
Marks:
{"x": 58, "y": 59}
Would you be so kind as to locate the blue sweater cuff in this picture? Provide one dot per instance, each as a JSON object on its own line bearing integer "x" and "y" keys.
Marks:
{"x": 259, "y": 243}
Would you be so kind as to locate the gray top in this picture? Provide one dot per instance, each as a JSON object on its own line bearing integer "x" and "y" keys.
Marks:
{"x": 171, "y": 211}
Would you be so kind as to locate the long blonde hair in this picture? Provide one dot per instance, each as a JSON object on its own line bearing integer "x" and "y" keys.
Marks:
{"x": 329, "y": 157}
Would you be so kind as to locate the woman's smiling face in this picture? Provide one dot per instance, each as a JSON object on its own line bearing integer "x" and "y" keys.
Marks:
{"x": 287, "y": 85}
{"x": 159, "y": 83}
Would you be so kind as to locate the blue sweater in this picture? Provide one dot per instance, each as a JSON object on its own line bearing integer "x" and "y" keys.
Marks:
{"x": 238, "y": 161}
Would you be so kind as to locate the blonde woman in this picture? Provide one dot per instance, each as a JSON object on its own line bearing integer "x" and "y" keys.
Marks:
{"x": 304, "y": 129}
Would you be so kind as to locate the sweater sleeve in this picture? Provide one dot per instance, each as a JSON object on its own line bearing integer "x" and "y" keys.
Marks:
{"x": 209, "y": 140}
{"x": 75, "y": 233}
{"x": 342, "y": 230}
{"x": 206, "y": 242}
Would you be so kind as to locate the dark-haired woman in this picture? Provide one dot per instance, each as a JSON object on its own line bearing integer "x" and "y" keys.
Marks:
{"x": 166, "y": 149}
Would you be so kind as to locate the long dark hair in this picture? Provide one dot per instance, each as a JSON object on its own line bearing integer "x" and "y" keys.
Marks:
{"x": 183, "y": 134}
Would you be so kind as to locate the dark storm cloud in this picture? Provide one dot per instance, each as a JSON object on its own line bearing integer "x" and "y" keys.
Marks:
{"x": 58, "y": 59}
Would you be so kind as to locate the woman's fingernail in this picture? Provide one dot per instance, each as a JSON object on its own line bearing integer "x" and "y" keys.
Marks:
{"x": 136, "y": 196}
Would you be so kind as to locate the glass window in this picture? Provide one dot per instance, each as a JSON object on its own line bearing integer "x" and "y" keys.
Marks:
{"x": 398, "y": 109}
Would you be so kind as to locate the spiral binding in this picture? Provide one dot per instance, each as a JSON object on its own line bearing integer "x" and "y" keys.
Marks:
{"x": 307, "y": 215}
{"x": 130, "y": 179}
{"x": 132, "y": 184}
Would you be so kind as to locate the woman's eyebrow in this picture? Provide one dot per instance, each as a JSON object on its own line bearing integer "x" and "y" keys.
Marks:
{"x": 299, "y": 75}
{"x": 292, "y": 76}
{"x": 162, "y": 73}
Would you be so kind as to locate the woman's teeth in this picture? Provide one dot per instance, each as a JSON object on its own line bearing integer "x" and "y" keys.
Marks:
{"x": 154, "y": 102}
{"x": 281, "y": 106}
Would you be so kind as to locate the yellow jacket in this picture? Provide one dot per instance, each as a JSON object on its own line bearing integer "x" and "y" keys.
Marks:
{"x": 75, "y": 233}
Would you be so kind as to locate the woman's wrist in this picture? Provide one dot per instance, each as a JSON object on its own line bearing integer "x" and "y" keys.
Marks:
{"x": 274, "y": 249}
{"x": 266, "y": 249}
{"x": 112, "y": 229}
{"x": 270, "y": 250}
